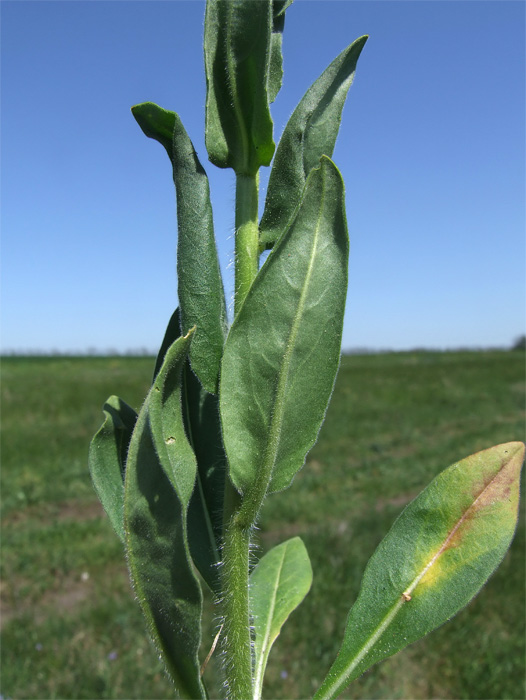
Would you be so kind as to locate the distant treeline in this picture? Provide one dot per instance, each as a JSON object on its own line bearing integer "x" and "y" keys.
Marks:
{"x": 518, "y": 344}
{"x": 89, "y": 352}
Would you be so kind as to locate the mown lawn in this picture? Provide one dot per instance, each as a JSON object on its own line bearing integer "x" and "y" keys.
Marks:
{"x": 70, "y": 626}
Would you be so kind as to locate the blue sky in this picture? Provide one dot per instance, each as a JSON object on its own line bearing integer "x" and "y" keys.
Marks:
{"x": 432, "y": 150}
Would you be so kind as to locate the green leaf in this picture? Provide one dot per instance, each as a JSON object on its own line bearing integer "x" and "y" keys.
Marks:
{"x": 205, "y": 512}
{"x": 200, "y": 287}
{"x": 202, "y": 424}
{"x": 165, "y": 410}
{"x": 283, "y": 350}
{"x": 436, "y": 557}
{"x": 237, "y": 45}
{"x": 276, "y": 58}
{"x": 310, "y": 133}
{"x": 278, "y": 584}
{"x": 107, "y": 459}
{"x": 155, "y": 524}
{"x": 180, "y": 407}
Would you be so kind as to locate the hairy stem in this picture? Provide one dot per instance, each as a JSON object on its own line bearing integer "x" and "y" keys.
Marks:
{"x": 237, "y": 643}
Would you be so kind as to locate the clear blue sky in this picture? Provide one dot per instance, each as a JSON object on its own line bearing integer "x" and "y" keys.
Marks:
{"x": 432, "y": 150}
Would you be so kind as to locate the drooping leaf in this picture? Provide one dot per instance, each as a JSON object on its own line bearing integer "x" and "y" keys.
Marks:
{"x": 436, "y": 557}
{"x": 276, "y": 57}
{"x": 283, "y": 350}
{"x": 310, "y": 133}
{"x": 156, "y": 537}
{"x": 200, "y": 287}
{"x": 237, "y": 44}
{"x": 278, "y": 584}
{"x": 107, "y": 459}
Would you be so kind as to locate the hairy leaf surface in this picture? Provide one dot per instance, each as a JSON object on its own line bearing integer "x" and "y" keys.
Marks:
{"x": 436, "y": 557}
{"x": 107, "y": 459}
{"x": 278, "y": 584}
{"x": 283, "y": 350}
{"x": 310, "y": 133}
{"x": 155, "y": 524}
{"x": 237, "y": 46}
{"x": 200, "y": 287}
{"x": 201, "y": 420}
{"x": 166, "y": 421}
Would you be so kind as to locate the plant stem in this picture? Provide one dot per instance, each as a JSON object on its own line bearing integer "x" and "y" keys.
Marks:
{"x": 247, "y": 236}
{"x": 237, "y": 644}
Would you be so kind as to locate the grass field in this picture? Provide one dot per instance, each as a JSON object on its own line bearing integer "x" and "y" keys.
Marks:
{"x": 70, "y": 626}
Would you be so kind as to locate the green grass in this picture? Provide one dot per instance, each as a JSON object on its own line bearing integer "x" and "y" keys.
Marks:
{"x": 70, "y": 626}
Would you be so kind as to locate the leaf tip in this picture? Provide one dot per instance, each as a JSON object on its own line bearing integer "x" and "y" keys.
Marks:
{"x": 511, "y": 456}
{"x": 517, "y": 452}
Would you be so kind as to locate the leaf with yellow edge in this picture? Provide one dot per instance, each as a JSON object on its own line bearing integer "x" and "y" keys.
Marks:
{"x": 434, "y": 560}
